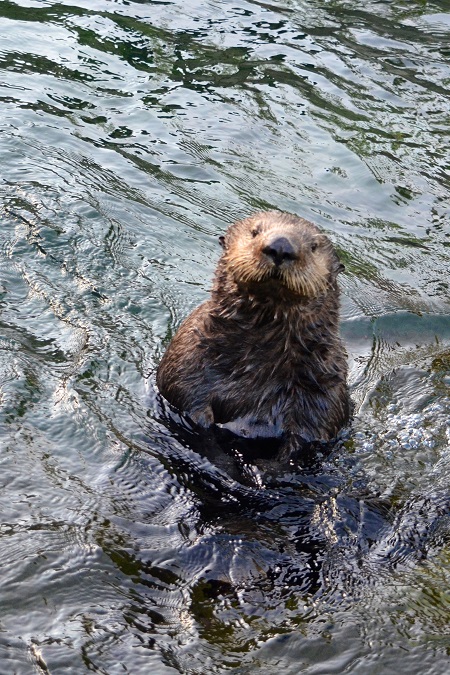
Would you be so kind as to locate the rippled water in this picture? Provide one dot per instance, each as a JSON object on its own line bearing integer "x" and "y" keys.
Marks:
{"x": 131, "y": 134}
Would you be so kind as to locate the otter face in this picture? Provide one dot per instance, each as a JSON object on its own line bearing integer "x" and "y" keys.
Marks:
{"x": 280, "y": 248}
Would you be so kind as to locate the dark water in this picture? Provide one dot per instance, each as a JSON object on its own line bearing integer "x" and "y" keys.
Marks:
{"x": 131, "y": 134}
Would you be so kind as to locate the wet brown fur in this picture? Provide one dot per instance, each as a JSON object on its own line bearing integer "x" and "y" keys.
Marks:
{"x": 262, "y": 356}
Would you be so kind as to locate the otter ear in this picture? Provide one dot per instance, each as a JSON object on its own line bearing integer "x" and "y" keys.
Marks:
{"x": 222, "y": 242}
{"x": 337, "y": 265}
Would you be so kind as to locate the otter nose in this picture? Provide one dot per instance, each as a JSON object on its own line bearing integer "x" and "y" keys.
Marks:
{"x": 279, "y": 250}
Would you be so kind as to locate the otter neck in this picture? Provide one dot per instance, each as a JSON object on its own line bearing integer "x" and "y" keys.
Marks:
{"x": 265, "y": 300}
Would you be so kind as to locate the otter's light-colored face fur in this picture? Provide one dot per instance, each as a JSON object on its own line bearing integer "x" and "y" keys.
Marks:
{"x": 306, "y": 267}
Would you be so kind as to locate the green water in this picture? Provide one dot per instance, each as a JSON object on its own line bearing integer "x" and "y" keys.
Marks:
{"x": 131, "y": 135}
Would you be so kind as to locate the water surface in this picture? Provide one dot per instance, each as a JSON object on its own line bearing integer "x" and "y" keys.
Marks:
{"x": 131, "y": 134}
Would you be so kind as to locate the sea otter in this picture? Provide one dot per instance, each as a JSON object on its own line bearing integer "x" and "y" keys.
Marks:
{"x": 262, "y": 357}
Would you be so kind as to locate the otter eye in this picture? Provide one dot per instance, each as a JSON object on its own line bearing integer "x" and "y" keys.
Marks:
{"x": 256, "y": 231}
{"x": 314, "y": 246}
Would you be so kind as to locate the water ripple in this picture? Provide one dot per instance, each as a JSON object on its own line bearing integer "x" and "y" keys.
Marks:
{"x": 132, "y": 133}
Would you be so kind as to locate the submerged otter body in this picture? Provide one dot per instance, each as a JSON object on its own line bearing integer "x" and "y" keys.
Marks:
{"x": 262, "y": 356}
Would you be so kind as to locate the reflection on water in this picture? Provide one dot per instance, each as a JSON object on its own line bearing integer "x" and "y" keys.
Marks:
{"x": 131, "y": 134}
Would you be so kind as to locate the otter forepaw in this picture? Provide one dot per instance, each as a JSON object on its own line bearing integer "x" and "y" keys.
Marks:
{"x": 203, "y": 418}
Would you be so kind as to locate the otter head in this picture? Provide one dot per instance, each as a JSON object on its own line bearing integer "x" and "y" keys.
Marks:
{"x": 274, "y": 251}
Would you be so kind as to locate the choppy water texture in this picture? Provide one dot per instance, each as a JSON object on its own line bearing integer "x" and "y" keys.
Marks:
{"x": 131, "y": 134}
